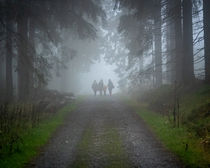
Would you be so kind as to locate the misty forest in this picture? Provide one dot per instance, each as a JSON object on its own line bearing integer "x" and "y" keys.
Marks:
{"x": 105, "y": 83}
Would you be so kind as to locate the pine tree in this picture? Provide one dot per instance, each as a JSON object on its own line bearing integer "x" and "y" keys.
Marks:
{"x": 188, "y": 70}
{"x": 158, "y": 43}
{"x": 206, "y": 16}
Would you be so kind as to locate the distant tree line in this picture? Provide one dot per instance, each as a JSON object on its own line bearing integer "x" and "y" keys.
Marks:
{"x": 160, "y": 37}
{"x": 30, "y": 34}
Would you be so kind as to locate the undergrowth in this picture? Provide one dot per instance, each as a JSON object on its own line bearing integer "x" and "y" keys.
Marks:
{"x": 32, "y": 139}
{"x": 191, "y": 140}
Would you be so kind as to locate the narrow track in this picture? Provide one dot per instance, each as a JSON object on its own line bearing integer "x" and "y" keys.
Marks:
{"x": 104, "y": 132}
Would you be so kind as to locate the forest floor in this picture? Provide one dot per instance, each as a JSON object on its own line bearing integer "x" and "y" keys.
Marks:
{"x": 104, "y": 132}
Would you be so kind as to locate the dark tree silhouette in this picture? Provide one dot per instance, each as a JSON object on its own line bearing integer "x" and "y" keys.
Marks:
{"x": 158, "y": 43}
{"x": 23, "y": 55}
{"x": 188, "y": 67}
{"x": 148, "y": 14}
{"x": 9, "y": 50}
{"x": 170, "y": 42}
{"x": 206, "y": 16}
{"x": 27, "y": 24}
{"x": 178, "y": 41}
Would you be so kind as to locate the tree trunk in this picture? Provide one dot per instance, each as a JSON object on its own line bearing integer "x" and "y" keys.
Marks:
{"x": 2, "y": 76}
{"x": 170, "y": 44}
{"x": 206, "y": 16}
{"x": 2, "y": 70}
{"x": 158, "y": 44}
{"x": 23, "y": 61}
{"x": 178, "y": 42}
{"x": 32, "y": 55}
{"x": 9, "y": 54}
{"x": 188, "y": 71}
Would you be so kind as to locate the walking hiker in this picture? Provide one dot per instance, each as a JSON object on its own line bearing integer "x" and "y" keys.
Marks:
{"x": 95, "y": 87}
{"x": 101, "y": 86}
{"x": 105, "y": 88}
{"x": 110, "y": 87}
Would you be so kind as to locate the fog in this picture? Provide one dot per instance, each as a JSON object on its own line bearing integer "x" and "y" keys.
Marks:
{"x": 153, "y": 57}
{"x": 124, "y": 51}
{"x": 92, "y": 60}
{"x": 98, "y": 71}
{"x": 137, "y": 46}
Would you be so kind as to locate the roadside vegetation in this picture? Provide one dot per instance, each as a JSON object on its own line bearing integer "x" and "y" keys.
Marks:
{"x": 25, "y": 128}
{"x": 180, "y": 117}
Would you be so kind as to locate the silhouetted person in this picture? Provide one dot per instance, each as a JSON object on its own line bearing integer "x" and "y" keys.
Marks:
{"x": 95, "y": 87}
{"x": 105, "y": 88}
{"x": 101, "y": 86}
{"x": 110, "y": 87}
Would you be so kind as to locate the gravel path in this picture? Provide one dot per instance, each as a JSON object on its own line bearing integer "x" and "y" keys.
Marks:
{"x": 103, "y": 132}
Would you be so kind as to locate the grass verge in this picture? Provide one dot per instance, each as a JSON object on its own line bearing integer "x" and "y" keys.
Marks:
{"x": 83, "y": 157}
{"x": 178, "y": 140}
{"x": 100, "y": 150}
{"x": 113, "y": 148}
{"x": 35, "y": 138}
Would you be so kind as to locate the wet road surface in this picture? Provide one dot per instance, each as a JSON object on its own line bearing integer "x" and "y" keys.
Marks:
{"x": 104, "y": 132}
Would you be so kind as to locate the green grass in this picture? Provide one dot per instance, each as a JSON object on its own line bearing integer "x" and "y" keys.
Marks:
{"x": 175, "y": 139}
{"x": 113, "y": 148}
{"x": 33, "y": 139}
{"x": 109, "y": 148}
{"x": 83, "y": 157}
{"x": 194, "y": 100}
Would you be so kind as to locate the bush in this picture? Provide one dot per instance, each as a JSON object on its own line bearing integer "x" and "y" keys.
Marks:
{"x": 16, "y": 118}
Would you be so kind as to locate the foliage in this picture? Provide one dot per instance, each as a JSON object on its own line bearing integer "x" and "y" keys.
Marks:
{"x": 36, "y": 33}
{"x": 141, "y": 28}
{"x": 137, "y": 28}
{"x": 157, "y": 107}
{"x": 32, "y": 138}
{"x": 16, "y": 118}
{"x": 184, "y": 143}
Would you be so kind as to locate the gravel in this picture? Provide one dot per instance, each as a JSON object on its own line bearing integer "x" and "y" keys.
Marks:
{"x": 141, "y": 146}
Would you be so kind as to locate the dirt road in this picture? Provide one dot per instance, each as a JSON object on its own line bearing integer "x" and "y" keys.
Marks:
{"x": 104, "y": 132}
